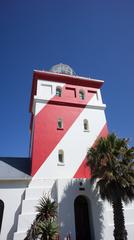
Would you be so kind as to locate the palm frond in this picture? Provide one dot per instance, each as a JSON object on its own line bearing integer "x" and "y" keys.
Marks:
{"x": 111, "y": 162}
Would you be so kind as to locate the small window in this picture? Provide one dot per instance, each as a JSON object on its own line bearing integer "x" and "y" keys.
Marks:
{"x": 86, "y": 126}
{"x": 1, "y": 213}
{"x": 60, "y": 124}
{"x": 58, "y": 91}
{"x": 61, "y": 157}
{"x": 81, "y": 94}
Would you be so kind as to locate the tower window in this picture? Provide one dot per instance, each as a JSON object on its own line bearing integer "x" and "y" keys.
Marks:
{"x": 81, "y": 94}
{"x": 58, "y": 91}
{"x": 85, "y": 124}
{"x": 60, "y": 123}
{"x": 61, "y": 157}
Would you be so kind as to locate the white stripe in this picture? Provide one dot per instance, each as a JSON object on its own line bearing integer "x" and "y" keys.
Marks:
{"x": 45, "y": 91}
{"x": 75, "y": 144}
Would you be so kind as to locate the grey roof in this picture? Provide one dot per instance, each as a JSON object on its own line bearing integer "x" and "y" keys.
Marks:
{"x": 15, "y": 168}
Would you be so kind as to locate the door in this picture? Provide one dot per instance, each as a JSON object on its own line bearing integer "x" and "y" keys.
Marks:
{"x": 82, "y": 227}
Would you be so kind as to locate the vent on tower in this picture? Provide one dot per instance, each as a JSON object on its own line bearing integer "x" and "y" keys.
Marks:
{"x": 62, "y": 68}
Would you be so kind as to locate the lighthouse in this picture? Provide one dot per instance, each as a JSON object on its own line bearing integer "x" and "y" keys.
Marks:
{"x": 67, "y": 117}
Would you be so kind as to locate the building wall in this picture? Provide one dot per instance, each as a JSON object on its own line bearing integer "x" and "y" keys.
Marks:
{"x": 100, "y": 212}
{"x": 61, "y": 181}
{"x": 48, "y": 139}
{"x": 20, "y": 202}
{"x": 68, "y": 190}
{"x": 11, "y": 193}
{"x": 33, "y": 193}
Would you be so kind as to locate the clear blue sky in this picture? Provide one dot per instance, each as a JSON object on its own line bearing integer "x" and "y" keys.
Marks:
{"x": 95, "y": 37}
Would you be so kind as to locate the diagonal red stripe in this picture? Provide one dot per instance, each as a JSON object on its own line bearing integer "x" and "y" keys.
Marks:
{"x": 83, "y": 171}
{"x": 46, "y": 134}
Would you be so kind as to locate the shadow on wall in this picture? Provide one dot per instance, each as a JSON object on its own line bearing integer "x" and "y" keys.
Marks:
{"x": 53, "y": 192}
{"x": 15, "y": 222}
{"x": 67, "y": 214}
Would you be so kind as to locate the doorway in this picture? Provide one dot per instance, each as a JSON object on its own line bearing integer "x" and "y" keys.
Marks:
{"x": 82, "y": 226}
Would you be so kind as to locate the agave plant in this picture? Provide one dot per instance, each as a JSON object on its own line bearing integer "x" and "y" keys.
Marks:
{"x": 47, "y": 229}
{"x": 32, "y": 233}
{"x": 44, "y": 227}
{"x": 46, "y": 209}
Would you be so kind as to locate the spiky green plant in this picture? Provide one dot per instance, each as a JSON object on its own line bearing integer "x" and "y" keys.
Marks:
{"x": 44, "y": 226}
{"x": 47, "y": 230}
{"x": 46, "y": 209}
{"x": 111, "y": 162}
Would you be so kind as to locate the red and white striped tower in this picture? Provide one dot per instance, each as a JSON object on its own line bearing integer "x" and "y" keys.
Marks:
{"x": 67, "y": 118}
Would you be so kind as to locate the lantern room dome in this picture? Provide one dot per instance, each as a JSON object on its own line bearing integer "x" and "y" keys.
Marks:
{"x": 62, "y": 68}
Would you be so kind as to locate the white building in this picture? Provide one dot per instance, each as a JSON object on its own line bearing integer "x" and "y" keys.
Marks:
{"x": 67, "y": 116}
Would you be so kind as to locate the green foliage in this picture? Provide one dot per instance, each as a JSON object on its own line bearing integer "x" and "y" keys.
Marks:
{"x": 44, "y": 226}
{"x": 47, "y": 229}
{"x": 112, "y": 164}
{"x": 46, "y": 209}
{"x": 32, "y": 233}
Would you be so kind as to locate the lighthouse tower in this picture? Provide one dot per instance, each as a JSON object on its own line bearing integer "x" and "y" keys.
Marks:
{"x": 67, "y": 117}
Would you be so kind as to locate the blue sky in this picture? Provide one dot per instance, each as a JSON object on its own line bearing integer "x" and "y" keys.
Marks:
{"x": 96, "y": 38}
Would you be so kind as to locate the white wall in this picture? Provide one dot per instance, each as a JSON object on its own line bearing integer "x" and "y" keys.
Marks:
{"x": 129, "y": 220}
{"x": 68, "y": 190}
{"x": 100, "y": 213}
{"x": 65, "y": 192}
{"x": 72, "y": 157}
{"x": 11, "y": 193}
{"x": 47, "y": 89}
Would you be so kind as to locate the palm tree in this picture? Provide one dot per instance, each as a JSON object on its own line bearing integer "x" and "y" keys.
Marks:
{"x": 44, "y": 227}
{"x": 111, "y": 162}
